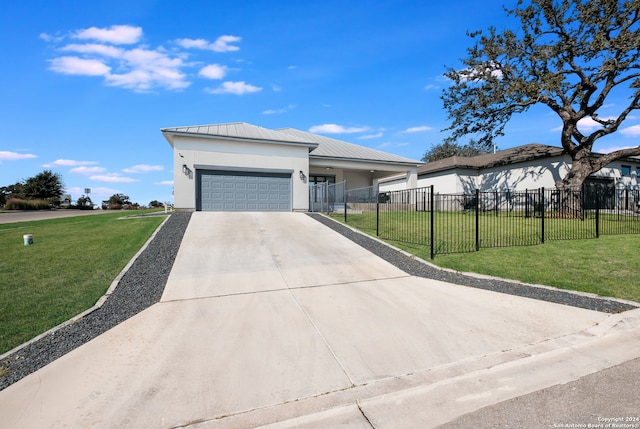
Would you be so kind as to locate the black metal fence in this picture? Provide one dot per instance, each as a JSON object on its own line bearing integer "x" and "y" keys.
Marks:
{"x": 456, "y": 223}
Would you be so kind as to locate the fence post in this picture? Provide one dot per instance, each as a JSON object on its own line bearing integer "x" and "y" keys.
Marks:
{"x": 597, "y": 213}
{"x": 377, "y": 217}
{"x": 542, "y": 210}
{"x": 477, "y": 220}
{"x": 345, "y": 202}
{"x": 431, "y": 220}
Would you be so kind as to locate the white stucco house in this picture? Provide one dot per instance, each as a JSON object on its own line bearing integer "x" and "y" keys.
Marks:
{"x": 243, "y": 167}
{"x": 531, "y": 166}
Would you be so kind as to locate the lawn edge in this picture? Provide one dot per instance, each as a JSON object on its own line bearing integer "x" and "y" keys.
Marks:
{"x": 485, "y": 276}
{"x": 99, "y": 303}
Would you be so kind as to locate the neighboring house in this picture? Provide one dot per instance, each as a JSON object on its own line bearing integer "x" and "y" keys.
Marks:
{"x": 243, "y": 167}
{"x": 531, "y": 166}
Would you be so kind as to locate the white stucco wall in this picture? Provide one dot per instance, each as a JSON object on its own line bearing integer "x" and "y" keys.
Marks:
{"x": 540, "y": 173}
{"x": 218, "y": 153}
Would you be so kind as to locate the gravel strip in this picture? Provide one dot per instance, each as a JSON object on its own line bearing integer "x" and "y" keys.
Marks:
{"x": 140, "y": 287}
{"x": 420, "y": 269}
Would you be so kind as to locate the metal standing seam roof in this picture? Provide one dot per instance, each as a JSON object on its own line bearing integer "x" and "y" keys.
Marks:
{"x": 239, "y": 130}
{"x": 332, "y": 148}
{"x": 320, "y": 146}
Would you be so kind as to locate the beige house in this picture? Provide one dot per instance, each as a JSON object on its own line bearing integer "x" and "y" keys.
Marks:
{"x": 243, "y": 167}
{"x": 531, "y": 166}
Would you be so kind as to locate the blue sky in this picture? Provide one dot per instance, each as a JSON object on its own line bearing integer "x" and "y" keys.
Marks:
{"x": 87, "y": 85}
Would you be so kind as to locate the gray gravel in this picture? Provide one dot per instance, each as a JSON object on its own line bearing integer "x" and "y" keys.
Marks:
{"x": 144, "y": 282}
{"x": 140, "y": 287}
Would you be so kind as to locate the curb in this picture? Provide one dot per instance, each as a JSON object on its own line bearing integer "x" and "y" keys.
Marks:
{"x": 99, "y": 303}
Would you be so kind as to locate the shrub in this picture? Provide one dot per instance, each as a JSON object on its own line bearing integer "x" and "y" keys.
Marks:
{"x": 18, "y": 204}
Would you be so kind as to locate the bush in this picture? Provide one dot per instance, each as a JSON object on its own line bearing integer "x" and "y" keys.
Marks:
{"x": 17, "y": 204}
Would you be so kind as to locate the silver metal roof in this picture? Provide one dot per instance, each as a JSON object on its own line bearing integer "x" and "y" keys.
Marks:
{"x": 332, "y": 148}
{"x": 239, "y": 130}
{"x": 320, "y": 146}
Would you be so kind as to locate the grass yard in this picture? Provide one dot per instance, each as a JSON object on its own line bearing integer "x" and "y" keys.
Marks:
{"x": 68, "y": 268}
{"x": 606, "y": 266}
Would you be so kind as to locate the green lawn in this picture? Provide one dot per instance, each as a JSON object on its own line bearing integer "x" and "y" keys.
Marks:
{"x": 606, "y": 266}
{"x": 68, "y": 268}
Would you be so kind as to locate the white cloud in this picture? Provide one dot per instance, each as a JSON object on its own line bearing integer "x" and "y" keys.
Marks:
{"x": 49, "y": 38}
{"x": 79, "y": 66}
{"x": 614, "y": 148}
{"x": 587, "y": 125}
{"x": 431, "y": 87}
{"x": 112, "y": 178}
{"x": 632, "y": 131}
{"x": 143, "y": 168}
{"x": 222, "y": 44}
{"x": 69, "y": 163}
{"x": 165, "y": 183}
{"x": 88, "y": 170}
{"x": 14, "y": 156}
{"x": 116, "y": 34}
{"x": 336, "y": 129}
{"x": 370, "y": 136}
{"x": 95, "y": 48}
{"x": 419, "y": 129}
{"x": 213, "y": 71}
{"x": 237, "y": 88}
{"x": 279, "y": 111}
{"x": 139, "y": 67}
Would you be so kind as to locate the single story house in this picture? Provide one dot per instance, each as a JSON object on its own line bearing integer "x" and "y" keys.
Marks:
{"x": 531, "y": 166}
{"x": 243, "y": 167}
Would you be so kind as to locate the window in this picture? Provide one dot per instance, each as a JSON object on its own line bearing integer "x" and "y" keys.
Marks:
{"x": 313, "y": 179}
{"x": 626, "y": 170}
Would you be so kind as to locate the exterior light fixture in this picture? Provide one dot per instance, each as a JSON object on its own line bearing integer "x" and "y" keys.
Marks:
{"x": 185, "y": 169}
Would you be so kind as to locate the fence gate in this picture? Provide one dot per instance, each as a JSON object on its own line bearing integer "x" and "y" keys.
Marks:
{"x": 327, "y": 197}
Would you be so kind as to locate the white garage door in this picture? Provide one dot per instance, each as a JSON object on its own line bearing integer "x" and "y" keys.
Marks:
{"x": 243, "y": 191}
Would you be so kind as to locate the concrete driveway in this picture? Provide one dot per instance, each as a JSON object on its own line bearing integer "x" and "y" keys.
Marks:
{"x": 272, "y": 319}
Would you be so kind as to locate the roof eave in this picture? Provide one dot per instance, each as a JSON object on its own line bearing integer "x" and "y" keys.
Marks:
{"x": 165, "y": 132}
{"x": 375, "y": 161}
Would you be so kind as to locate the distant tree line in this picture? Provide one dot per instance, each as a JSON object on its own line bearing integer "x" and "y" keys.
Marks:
{"x": 448, "y": 149}
{"x": 40, "y": 191}
{"x": 45, "y": 189}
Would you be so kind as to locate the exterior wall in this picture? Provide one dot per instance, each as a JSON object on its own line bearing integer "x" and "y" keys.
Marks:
{"x": 631, "y": 181}
{"x": 361, "y": 174}
{"x": 535, "y": 174}
{"x": 450, "y": 181}
{"x": 222, "y": 154}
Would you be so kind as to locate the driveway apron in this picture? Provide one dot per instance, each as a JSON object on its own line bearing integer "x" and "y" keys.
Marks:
{"x": 266, "y": 312}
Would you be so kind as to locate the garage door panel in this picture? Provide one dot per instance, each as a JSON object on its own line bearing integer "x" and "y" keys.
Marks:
{"x": 250, "y": 191}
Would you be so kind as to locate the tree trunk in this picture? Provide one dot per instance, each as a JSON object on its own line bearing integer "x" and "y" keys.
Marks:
{"x": 571, "y": 185}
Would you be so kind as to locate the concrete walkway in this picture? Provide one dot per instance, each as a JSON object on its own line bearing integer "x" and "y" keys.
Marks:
{"x": 272, "y": 319}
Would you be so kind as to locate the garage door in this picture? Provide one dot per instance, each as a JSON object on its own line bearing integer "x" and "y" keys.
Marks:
{"x": 243, "y": 191}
